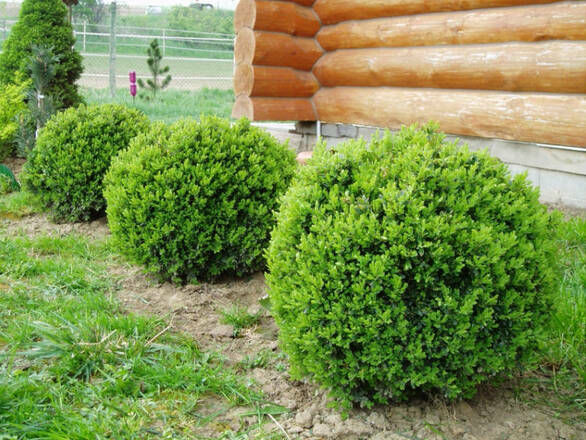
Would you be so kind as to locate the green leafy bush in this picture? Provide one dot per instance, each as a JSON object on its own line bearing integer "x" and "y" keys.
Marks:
{"x": 208, "y": 20}
{"x": 409, "y": 265}
{"x": 72, "y": 155}
{"x": 43, "y": 23}
{"x": 197, "y": 199}
{"x": 11, "y": 104}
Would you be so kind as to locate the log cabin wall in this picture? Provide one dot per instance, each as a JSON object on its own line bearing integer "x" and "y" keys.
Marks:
{"x": 275, "y": 51}
{"x": 508, "y": 69}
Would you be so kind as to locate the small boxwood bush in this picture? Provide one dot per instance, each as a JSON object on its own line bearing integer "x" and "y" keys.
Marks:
{"x": 409, "y": 266}
{"x": 196, "y": 199}
{"x": 72, "y": 155}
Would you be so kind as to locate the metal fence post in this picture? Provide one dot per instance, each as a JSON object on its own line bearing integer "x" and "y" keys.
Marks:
{"x": 113, "y": 49}
{"x": 164, "y": 40}
{"x": 84, "y": 34}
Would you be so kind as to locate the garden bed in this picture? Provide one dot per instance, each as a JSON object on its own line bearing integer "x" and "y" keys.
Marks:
{"x": 509, "y": 410}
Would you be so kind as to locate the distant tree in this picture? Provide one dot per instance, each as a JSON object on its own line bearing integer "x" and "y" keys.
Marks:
{"x": 207, "y": 20}
{"x": 43, "y": 23}
{"x": 92, "y": 11}
{"x": 69, "y": 4}
{"x": 154, "y": 62}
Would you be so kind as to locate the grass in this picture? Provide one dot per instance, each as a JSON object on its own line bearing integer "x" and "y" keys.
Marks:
{"x": 239, "y": 318}
{"x": 170, "y": 105}
{"x": 19, "y": 204}
{"x": 563, "y": 363}
{"x": 73, "y": 365}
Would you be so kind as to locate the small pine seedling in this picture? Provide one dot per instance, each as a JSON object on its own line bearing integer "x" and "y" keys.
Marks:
{"x": 154, "y": 62}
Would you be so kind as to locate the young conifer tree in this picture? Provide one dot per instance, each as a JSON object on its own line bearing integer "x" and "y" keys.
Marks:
{"x": 154, "y": 62}
{"x": 41, "y": 105}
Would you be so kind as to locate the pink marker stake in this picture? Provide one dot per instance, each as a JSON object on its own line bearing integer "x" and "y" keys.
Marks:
{"x": 132, "y": 78}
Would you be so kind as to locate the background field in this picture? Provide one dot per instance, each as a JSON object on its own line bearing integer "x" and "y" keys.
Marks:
{"x": 198, "y": 46}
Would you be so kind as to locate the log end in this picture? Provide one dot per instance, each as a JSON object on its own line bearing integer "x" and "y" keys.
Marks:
{"x": 245, "y": 46}
{"x": 273, "y": 109}
{"x": 245, "y": 15}
{"x": 243, "y": 79}
{"x": 243, "y": 108}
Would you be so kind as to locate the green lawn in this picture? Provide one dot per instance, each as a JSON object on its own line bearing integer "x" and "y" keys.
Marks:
{"x": 74, "y": 365}
{"x": 170, "y": 105}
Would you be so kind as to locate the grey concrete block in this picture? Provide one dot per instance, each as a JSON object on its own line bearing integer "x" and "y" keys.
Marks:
{"x": 349, "y": 131}
{"x": 567, "y": 189}
{"x": 305, "y": 127}
{"x": 329, "y": 130}
{"x": 559, "y": 173}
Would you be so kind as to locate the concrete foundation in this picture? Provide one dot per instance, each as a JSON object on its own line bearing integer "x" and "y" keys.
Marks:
{"x": 559, "y": 172}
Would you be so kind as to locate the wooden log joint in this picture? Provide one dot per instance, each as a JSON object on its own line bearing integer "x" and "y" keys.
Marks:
{"x": 273, "y": 82}
{"x": 276, "y": 16}
{"x": 273, "y": 109}
{"x": 275, "y": 49}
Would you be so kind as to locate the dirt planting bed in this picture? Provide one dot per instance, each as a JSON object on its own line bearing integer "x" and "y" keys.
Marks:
{"x": 497, "y": 412}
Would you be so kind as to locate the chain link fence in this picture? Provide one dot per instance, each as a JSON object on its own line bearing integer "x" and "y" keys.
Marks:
{"x": 195, "y": 59}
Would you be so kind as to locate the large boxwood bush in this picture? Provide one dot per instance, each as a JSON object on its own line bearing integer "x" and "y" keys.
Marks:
{"x": 408, "y": 266}
{"x": 72, "y": 155}
{"x": 196, "y": 199}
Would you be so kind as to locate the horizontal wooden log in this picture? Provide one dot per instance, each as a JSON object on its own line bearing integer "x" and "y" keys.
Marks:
{"x": 273, "y": 81}
{"x": 276, "y": 16}
{"x": 273, "y": 109}
{"x": 335, "y": 11}
{"x": 558, "y": 67}
{"x": 543, "y": 118}
{"x": 556, "y": 21}
{"x": 303, "y": 2}
{"x": 274, "y": 49}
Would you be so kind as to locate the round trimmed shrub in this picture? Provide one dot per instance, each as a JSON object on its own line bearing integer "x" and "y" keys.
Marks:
{"x": 409, "y": 266}
{"x": 196, "y": 200}
{"x": 73, "y": 152}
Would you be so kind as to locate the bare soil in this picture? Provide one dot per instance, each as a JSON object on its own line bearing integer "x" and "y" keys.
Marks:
{"x": 495, "y": 413}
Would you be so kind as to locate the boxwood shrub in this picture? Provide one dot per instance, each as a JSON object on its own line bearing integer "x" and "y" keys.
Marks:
{"x": 72, "y": 155}
{"x": 409, "y": 266}
{"x": 196, "y": 199}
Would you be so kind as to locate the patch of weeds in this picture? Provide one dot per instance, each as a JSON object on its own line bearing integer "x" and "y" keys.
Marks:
{"x": 239, "y": 318}
{"x": 257, "y": 430}
{"x": 74, "y": 365}
{"x": 265, "y": 358}
{"x": 19, "y": 204}
{"x": 261, "y": 359}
